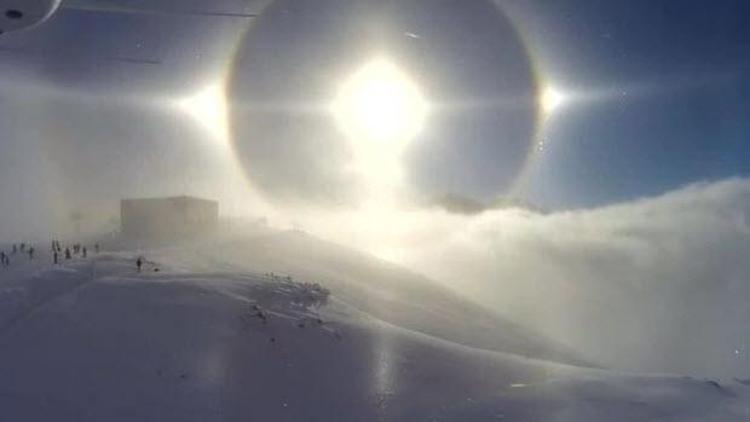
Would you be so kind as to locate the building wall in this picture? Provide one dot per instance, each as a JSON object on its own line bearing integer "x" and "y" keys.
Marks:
{"x": 165, "y": 217}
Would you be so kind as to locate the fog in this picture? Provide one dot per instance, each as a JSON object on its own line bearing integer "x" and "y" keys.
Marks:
{"x": 655, "y": 284}
{"x": 65, "y": 152}
{"x": 658, "y": 284}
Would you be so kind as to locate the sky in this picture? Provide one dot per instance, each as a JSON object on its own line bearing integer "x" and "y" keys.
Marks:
{"x": 674, "y": 109}
{"x": 653, "y": 99}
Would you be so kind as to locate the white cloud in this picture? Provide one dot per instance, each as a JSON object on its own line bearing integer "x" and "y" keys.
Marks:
{"x": 659, "y": 284}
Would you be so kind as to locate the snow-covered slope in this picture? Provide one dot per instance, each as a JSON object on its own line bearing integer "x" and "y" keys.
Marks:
{"x": 378, "y": 288}
{"x": 93, "y": 340}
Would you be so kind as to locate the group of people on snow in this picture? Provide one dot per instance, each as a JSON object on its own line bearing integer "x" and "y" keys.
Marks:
{"x": 21, "y": 248}
{"x": 59, "y": 252}
{"x": 70, "y": 251}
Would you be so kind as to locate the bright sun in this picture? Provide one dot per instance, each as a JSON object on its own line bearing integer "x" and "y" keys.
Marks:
{"x": 379, "y": 104}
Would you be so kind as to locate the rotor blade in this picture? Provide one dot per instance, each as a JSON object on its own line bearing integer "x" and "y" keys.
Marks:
{"x": 129, "y": 60}
{"x": 85, "y": 6}
{"x": 41, "y": 53}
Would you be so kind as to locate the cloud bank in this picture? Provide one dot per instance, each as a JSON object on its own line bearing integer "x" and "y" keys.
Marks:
{"x": 659, "y": 284}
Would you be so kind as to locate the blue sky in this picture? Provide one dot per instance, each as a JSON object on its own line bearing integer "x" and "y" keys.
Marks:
{"x": 681, "y": 69}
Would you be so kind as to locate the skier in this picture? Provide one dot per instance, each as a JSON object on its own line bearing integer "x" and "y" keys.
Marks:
{"x": 2, "y": 258}
{"x": 54, "y": 257}
{"x": 84, "y": 251}
{"x": 23, "y": 247}
{"x": 31, "y": 253}
{"x": 139, "y": 263}
{"x": 67, "y": 253}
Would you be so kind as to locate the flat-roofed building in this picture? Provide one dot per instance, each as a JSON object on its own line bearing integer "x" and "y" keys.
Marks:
{"x": 168, "y": 217}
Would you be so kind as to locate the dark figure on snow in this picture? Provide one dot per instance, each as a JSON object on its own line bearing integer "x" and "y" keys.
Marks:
{"x": 139, "y": 263}
{"x": 31, "y": 252}
{"x": 23, "y": 247}
{"x": 3, "y": 257}
{"x": 84, "y": 251}
{"x": 67, "y": 253}
{"x": 54, "y": 257}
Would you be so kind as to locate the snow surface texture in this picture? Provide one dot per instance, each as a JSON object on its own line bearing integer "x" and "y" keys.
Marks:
{"x": 214, "y": 336}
